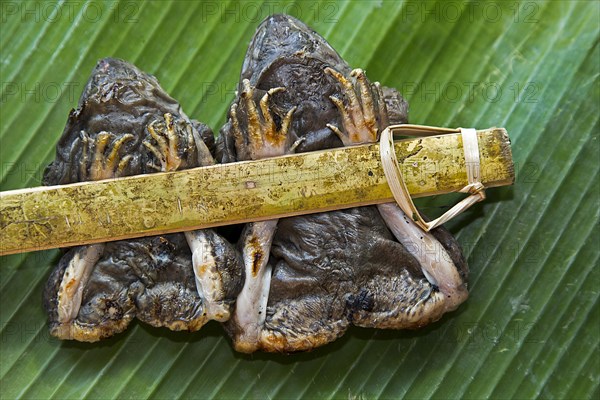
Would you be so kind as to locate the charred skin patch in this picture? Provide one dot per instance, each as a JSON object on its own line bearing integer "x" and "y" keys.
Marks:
{"x": 257, "y": 255}
{"x": 363, "y": 301}
{"x": 114, "y": 310}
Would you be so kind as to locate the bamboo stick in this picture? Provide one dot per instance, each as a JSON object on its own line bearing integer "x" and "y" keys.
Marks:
{"x": 91, "y": 212}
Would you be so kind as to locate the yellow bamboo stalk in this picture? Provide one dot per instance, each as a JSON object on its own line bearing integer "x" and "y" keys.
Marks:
{"x": 91, "y": 212}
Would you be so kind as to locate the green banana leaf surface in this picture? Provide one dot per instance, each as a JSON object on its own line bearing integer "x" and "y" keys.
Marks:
{"x": 531, "y": 326}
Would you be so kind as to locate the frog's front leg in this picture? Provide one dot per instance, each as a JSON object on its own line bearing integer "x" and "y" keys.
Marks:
{"x": 366, "y": 111}
{"x": 165, "y": 142}
{"x": 258, "y": 139}
{"x": 360, "y": 121}
{"x": 102, "y": 155}
{"x": 261, "y": 137}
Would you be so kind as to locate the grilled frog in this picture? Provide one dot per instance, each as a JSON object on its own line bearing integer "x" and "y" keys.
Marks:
{"x": 126, "y": 124}
{"x": 367, "y": 266}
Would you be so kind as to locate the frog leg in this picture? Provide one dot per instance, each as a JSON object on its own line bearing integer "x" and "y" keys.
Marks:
{"x": 103, "y": 313}
{"x": 166, "y": 134}
{"x": 361, "y": 126}
{"x": 104, "y": 161}
{"x": 435, "y": 262}
{"x": 207, "y": 261}
{"x": 251, "y": 304}
{"x": 367, "y": 107}
{"x": 263, "y": 139}
{"x": 80, "y": 263}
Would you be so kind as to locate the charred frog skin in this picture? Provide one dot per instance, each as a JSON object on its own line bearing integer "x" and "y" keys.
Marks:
{"x": 117, "y": 107}
{"x": 286, "y": 53}
{"x": 151, "y": 279}
{"x": 334, "y": 269}
{"x": 126, "y": 124}
{"x": 297, "y": 283}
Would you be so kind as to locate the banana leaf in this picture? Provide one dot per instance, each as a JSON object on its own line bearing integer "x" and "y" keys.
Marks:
{"x": 531, "y": 327}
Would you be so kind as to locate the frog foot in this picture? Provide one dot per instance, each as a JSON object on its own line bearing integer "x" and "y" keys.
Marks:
{"x": 264, "y": 138}
{"x": 365, "y": 113}
{"x": 105, "y": 161}
{"x": 166, "y": 133}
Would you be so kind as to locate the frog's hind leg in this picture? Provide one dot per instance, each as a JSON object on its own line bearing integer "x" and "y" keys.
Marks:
{"x": 78, "y": 310}
{"x": 64, "y": 292}
{"x": 251, "y": 304}
{"x": 436, "y": 263}
{"x": 217, "y": 272}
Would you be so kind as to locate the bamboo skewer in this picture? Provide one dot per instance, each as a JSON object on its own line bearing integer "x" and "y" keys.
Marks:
{"x": 90, "y": 212}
